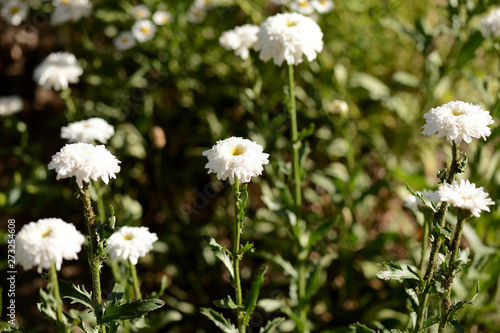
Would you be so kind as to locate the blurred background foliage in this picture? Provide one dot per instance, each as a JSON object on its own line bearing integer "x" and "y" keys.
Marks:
{"x": 391, "y": 61}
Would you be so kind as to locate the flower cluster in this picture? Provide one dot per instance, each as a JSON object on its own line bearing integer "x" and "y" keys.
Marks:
{"x": 198, "y": 10}
{"x": 458, "y": 121}
{"x": 84, "y": 162}
{"x": 69, "y": 11}
{"x": 14, "y": 11}
{"x": 130, "y": 243}
{"x": 10, "y": 105}
{"x": 143, "y": 29}
{"x": 40, "y": 243}
{"x": 57, "y": 71}
{"x": 240, "y": 39}
{"x": 236, "y": 157}
{"x": 466, "y": 196}
{"x": 490, "y": 24}
{"x": 288, "y": 37}
{"x": 89, "y": 131}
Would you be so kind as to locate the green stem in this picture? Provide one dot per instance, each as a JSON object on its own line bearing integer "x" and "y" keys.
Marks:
{"x": 135, "y": 281}
{"x": 425, "y": 236}
{"x": 297, "y": 193}
{"x": 100, "y": 204}
{"x": 302, "y": 325}
{"x": 68, "y": 101}
{"x": 61, "y": 327}
{"x": 450, "y": 273}
{"x": 238, "y": 221}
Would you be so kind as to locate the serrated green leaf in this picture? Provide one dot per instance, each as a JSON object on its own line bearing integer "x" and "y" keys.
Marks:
{"x": 221, "y": 253}
{"x": 225, "y": 303}
{"x": 219, "y": 320}
{"x": 398, "y": 274}
{"x": 130, "y": 310}
{"x": 247, "y": 247}
{"x": 272, "y": 324}
{"x": 426, "y": 201}
{"x": 77, "y": 294}
{"x": 251, "y": 299}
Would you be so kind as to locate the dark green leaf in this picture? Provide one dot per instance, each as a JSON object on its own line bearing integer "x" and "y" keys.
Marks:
{"x": 219, "y": 320}
{"x": 271, "y": 325}
{"x": 313, "y": 282}
{"x": 469, "y": 49}
{"x": 306, "y": 132}
{"x": 117, "y": 293}
{"x": 457, "y": 326}
{"x": 431, "y": 321}
{"x": 130, "y": 310}
{"x": 321, "y": 231}
{"x": 225, "y": 303}
{"x": 77, "y": 294}
{"x": 220, "y": 252}
{"x": 245, "y": 248}
{"x": 252, "y": 296}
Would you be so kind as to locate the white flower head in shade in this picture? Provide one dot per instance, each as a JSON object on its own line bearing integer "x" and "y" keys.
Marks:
{"x": 57, "y": 71}
{"x": 206, "y": 4}
{"x": 414, "y": 202}
{"x": 288, "y": 37}
{"x": 124, "y": 41}
{"x": 40, "y": 243}
{"x": 458, "y": 121}
{"x": 161, "y": 17}
{"x": 490, "y": 24}
{"x": 236, "y": 157}
{"x": 130, "y": 243}
{"x": 14, "y": 11}
{"x": 280, "y": 2}
{"x": 303, "y": 7}
{"x": 143, "y": 30}
{"x": 90, "y": 130}
{"x": 70, "y": 10}
{"x": 466, "y": 196}
{"x": 10, "y": 105}
{"x": 196, "y": 14}
{"x": 240, "y": 39}
{"x": 323, "y": 6}
{"x": 140, "y": 12}
{"x": 84, "y": 162}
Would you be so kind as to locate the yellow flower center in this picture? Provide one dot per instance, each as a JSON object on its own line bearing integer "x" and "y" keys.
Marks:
{"x": 291, "y": 23}
{"x": 128, "y": 237}
{"x": 303, "y": 3}
{"x": 140, "y": 13}
{"x": 65, "y": 2}
{"x": 236, "y": 151}
{"x": 323, "y": 2}
{"x": 46, "y": 233}
{"x": 14, "y": 10}
{"x": 145, "y": 30}
{"x": 124, "y": 40}
{"x": 457, "y": 113}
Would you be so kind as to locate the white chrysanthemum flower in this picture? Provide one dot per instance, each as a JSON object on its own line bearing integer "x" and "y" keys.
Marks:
{"x": 130, "y": 243}
{"x": 143, "y": 30}
{"x": 236, "y": 157}
{"x": 124, "y": 41}
{"x": 10, "y": 105}
{"x": 466, "y": 196}
{"x": 206, "y": 4}
{"x": 90, "y": 130}
{"x": 240, "y": 39}
{"x": 280, "y": 2}
{"x": 414, "y": 202}
{"x": 140, "y": 12}
{"x": 57, "y": 71}
{"x": 85, "y": 161}
{"x": 458, "y": 121}
{"x": 288, "y": 37}
{"x": 303, "y": 7}
{"x": 161, "y": 17}
{"x": 69, "y": 10}
{"x": 40, "y": 243}
{"x": 196, "y": 14}
{"x": 323, "y": 6}
{"x": 14, "y": 12}
{"x": 490, "y": 24}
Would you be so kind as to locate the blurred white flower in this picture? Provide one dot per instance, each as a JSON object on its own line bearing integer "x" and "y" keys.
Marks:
{"x": 130, "y": 243}
{"x": 466, "y": 196}
{"x": 161, "y": 17}
{"x": 236, "y": 157}
{"x": 490, "y": 24}
{"x": 124, "y": 41}
{"x": 280, "y": 2}
{"x": 303, "y": 7}
{"x": 140, "y": 12}
{"x": 57, "y": 71}
{"x": 413, "y": 202}
{"x": 10, "y": 105}
{"x": 90, "y": 130}
{"x": 143, "y": 30}
{"x": 84, "y": 162}
{"x": 206, "y": 4}
{"x": 458, "y": 121}
{"x": 69, "y": 10}
{"x": 288, "y": 37}
{"x": 323, "y": 6}
{"x": 196, "y": 14}
{"x": 40, "y": 243}
{"x": 14, "y": 11}
{"x": 240, "y": 39}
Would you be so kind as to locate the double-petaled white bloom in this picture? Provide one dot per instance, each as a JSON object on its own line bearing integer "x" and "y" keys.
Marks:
{"x": 89, "y": 131}
{"x": 466, "y": 196}
{"x": 240, "y": 39}
{"x": 57, "y": 71}
{"x": 458, "y": 121}
{"x": 414, "y": 202}
{"x": 130, "y": 243}
{"x": 236, "y": 157}
{"x": 140, "y": 12}
{"x": 288, "y": 37}
{"x": 124, "y": 41}
{"x": 84, "y": 162}
{"x": 196, "y": 14}
{"x": 69, "y": 10}
{"x": 304, "y": 7}
{"x": 161, "y": 17}
{"x": 490, "y": 24}
{"x": 323, "y": 6}
{"x": 14, "y": 11}
{"x": 143, "y": 30}
{"x": 40, "y": 243}
{"x": 10, "y": 105}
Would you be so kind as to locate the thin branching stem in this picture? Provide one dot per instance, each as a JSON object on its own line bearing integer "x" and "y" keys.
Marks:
{"x": 236, "y": 255}
{"x": 135, "y": 281}
{"x": 57, "y": 296}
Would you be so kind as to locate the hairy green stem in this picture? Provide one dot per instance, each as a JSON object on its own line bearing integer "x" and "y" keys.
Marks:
{"x": 425, "y": 236}
{"x": 294, "y": 137}
{"x": 135, "y": 281}
{"x": 100, "y": 204}
{"x": 61, "y": 327}
{"x": 238, "y": 221}
{"x": 68, "y": 101}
